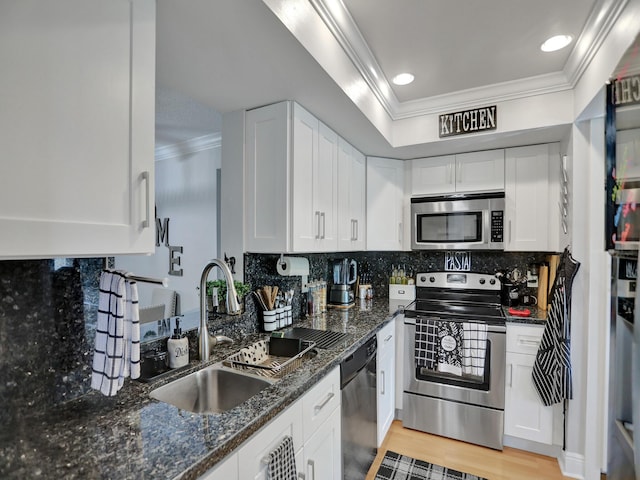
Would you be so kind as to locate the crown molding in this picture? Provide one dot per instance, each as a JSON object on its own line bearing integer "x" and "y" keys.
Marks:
{"x": 598, "y": 25}
{"x": 339, "y": 21}
{"x": 188, "y": 147}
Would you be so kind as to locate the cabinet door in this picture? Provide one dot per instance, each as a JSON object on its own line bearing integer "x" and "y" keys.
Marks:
{"x": 386, "y": 379}
{"x": 77, "y": 128}
{"x": 253, "y": 455}
{"x": 225, "y": 470}
{"x": 358, "y": 200}
{"x": 524, "y": 414}
{"x": 527, "y": 198}
{"x": 267, "y": 179}
{"x": 480, "y": 171}
{"x": 323, "y": 451}
{"x": 351, "y": 198}
{"x": 385, "y": 197}
{"x": 325, "y": 178}
{"x": 433, "y": 175}
{"x": 306, "y": 217}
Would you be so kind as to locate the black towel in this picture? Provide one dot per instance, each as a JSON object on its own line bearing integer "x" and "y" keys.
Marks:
{"x": 450, "y": 348}
{"x": 282, "y": 461}
{"x": 426, "y": 342}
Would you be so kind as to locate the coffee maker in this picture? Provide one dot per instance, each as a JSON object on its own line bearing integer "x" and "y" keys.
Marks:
{"x": 344, "y": 274}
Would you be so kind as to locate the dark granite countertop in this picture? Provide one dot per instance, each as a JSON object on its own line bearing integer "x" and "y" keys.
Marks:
{"x": 537, "y": 317}
{"x": 133, "y": 436}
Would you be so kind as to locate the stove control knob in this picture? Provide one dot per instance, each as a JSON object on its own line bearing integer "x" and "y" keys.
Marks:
{"x": 492, "y": 281}
{"x": 423, "y": 279}
{"x": 482, "y": 281}
{"x": 432, "y": 279}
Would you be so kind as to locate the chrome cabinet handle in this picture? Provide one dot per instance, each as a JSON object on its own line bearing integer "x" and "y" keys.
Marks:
{"x": 144, "y": 176}
{"x": 400, "y": 232}
{"x": 509, "y": 231}
{"x": 357, "y": 232}
{"x": 388, "y": 338}
{"x": 510, "y": 375}
{"x": 322, "y": 404}
{"x": 318, "y": 225}
{"x": 324, "y": 225}
{"x": 353, "y": 230}
{"x": 383, "y": 382}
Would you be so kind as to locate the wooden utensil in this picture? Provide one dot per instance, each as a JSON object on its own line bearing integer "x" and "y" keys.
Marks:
{"x": 543, "y": 287}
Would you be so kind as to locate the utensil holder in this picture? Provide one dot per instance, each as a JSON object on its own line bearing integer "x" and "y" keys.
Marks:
{"x": 280, "y": 316}
{"x": 269, "y": 320}
{"x": 288, "y": 313}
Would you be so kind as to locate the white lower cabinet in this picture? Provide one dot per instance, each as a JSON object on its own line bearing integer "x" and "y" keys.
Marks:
{"x": 313, "y": 422}
{"x": 385, "y": 372}
{"x": 323, "y": 451}
{"x": 525, "y": 416}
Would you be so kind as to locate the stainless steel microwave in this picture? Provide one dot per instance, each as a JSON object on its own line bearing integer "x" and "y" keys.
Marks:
{"x": 458, "y": 222}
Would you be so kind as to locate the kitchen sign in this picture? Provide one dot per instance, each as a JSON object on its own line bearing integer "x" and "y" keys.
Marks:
{"x": 626, "y": 91}
{"x": 162, "y": 234}
{"x": 468, "y": 121}
{"x": 455, "y": 261}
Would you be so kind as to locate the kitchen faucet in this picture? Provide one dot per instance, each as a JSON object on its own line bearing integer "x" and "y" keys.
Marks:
{"x": 205, "y": 339}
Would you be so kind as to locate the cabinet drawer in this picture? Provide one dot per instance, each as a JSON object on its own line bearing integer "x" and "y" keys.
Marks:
{"x": 252, "y": 454}
{"x": 524, "y": 338}
{"x": 319, "y": 402}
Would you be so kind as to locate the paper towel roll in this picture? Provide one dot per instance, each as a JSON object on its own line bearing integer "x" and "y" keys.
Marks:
{"x": 289, "y": 266}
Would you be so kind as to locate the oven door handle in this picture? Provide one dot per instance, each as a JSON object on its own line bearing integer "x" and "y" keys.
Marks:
{"x": 492, "y": 328}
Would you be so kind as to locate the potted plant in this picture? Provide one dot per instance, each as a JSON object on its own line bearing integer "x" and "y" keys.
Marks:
{"x": 242, "y": 289}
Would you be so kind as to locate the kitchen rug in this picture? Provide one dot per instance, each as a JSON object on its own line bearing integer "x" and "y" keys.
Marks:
{"x": 400, "y": 467}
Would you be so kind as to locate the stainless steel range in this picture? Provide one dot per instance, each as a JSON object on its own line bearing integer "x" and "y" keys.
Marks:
{"x": 454, "y": 366}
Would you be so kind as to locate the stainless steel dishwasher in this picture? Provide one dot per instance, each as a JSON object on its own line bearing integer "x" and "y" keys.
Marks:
{"x": 359, "y": 411}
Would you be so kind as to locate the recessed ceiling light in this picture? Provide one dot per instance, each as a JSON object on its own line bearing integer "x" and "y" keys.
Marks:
{"x": 403, "y": 79}
{"x": 556, "y": 43}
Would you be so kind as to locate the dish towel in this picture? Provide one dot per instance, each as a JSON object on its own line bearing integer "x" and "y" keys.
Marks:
{"x": 426, "y": 343}
{"x": 117, "y": 346}
{"x": 450, "y": 348}
{"x": 474, "y": 349}
{"x": 282, "y": 461}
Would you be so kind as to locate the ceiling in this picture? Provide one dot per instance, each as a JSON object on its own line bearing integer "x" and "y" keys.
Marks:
{"x": 227, "y": 55}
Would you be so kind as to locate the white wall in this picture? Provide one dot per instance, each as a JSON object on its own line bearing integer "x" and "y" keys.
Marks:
{"x": 185, "y": 193}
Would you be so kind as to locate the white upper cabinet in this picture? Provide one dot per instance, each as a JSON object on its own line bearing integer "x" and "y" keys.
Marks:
{"x": 433, "y": 175}
{"x": 267, "y": 194}
{"x": 77, "y": 128}
{"x": 291, "y": 185}
{"x": 351, "y": 198}
{"x": 466, "y": 172}
{"x": 532, "y": 215}
{"x": 385, "y": 201}
{"x": 480, "y": 171}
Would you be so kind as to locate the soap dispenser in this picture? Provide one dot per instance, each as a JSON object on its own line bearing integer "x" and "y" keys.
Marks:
{"x": 178, "y": 348}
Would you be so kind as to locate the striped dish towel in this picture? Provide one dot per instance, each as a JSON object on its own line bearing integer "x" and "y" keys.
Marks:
{"x": 426, "y": 343}
{"x": 117, "y": 346}
{"x": 282, "y": 461}
{"x": 474, "y": 349}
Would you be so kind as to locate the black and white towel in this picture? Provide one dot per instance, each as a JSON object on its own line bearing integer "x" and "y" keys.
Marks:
{"x": 450, "y": 343}
{"x": 552, "y": 367}
{"x": 426, "y": 343}
{"x": 474, "y": 349}
{"x": 117, "y": 346}
{"x": 282, "y": 461}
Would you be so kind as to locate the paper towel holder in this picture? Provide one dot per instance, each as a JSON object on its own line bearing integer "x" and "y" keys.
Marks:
{"x": 304, "y": 278}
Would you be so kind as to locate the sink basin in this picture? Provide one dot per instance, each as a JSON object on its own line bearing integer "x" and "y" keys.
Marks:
{"x": 213, "y": 389}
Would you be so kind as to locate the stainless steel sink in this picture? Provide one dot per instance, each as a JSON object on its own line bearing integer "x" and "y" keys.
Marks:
{"x": 213, "y": 389}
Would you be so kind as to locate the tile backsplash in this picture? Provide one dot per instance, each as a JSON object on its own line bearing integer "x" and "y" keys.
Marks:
{"x": 48, "y": 312}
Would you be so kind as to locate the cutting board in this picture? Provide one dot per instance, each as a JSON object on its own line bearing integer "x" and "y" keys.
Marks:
{"x": 543, "y": 286}
{"x": 554, "y": 261}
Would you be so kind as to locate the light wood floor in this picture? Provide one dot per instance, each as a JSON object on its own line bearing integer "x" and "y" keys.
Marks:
{"x": 510, "y": 464}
